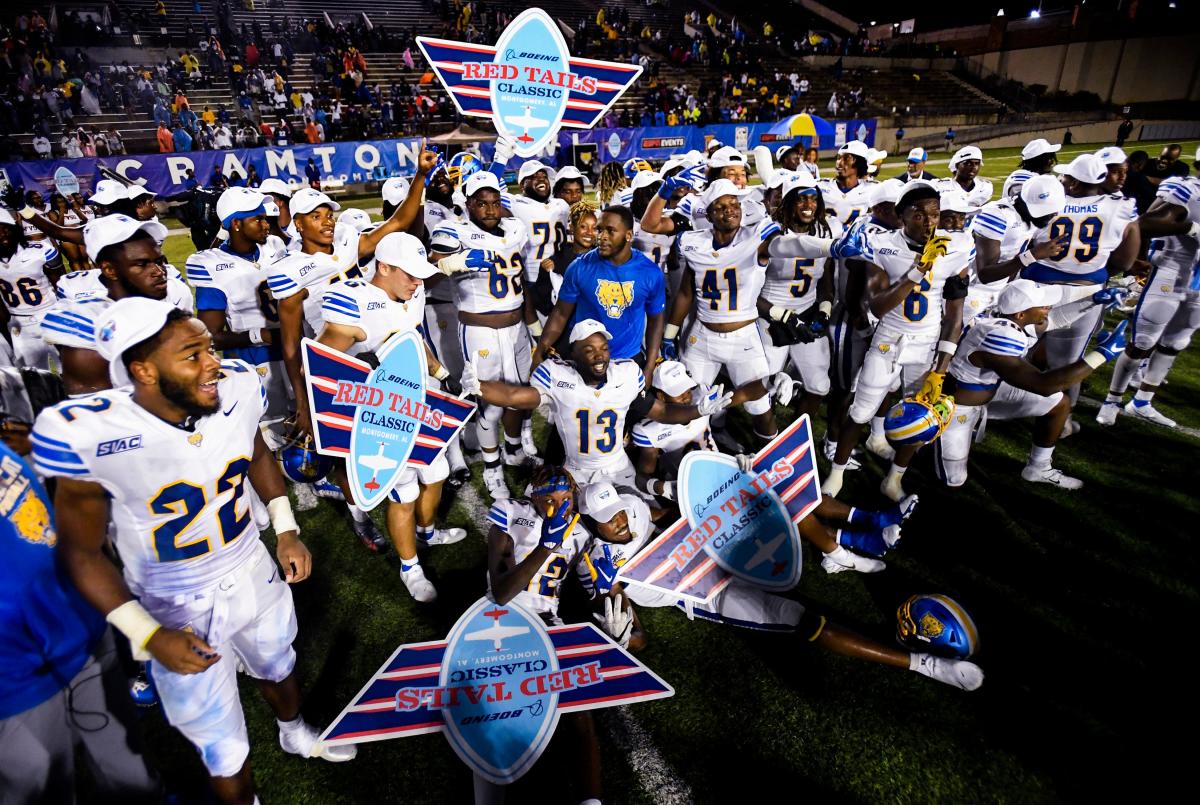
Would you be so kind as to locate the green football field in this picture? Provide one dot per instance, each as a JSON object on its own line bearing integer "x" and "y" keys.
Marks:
{"x": 1083, "y": 602}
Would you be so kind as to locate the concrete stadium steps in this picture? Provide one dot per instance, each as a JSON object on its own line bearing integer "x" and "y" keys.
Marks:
{"x": 179, "y": 14}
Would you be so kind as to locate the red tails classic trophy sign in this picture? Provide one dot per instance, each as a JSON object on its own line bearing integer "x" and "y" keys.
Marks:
{"x": 528, "y": 84}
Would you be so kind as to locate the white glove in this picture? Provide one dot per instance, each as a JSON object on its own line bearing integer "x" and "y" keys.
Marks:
{"x": 713, "y": 400}
{"x": 504, "y": 150}
{"x": 745, "y": 463}
{"x": 617, "y": 620}
{"x": 783, "y": 388}
{"x": 470, "y": 381}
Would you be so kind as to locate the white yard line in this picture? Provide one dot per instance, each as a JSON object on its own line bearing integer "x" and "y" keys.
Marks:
{"x": 1089, "y": 402}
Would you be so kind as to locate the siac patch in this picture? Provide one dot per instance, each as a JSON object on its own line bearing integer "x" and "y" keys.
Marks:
{"x": 114, "y": 446}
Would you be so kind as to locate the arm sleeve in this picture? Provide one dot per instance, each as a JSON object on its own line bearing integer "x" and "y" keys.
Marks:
{"x": 498, "y": 515}
{"x": 209, "y": 298}
{"x": 988, "y": 223}
{"x": 569, "y": 291}
{"x": 445, "y": 239}
{"x": 53, "y": 451}
{"x": 282, "y": 285}
{"x": 338, "y": 307}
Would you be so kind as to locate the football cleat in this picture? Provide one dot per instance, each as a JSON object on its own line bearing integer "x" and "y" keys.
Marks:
{"x": 493, "y": 479}
{"x": 141, "y": 688}
{"x": 369, "y": 535}
{"x": 306, "y": 499}
{"x": 515, "y": 458}
{"x": 959, "y": 673}
{"x": 300, "y": 462}
{"x": 304, "y": 740}
{"x": 830, "y": 450}
{"x": 328, "y": 490}
{"x": 891, "y": 487}
{"x": 419, "y": 587}
{"x": 891, "y": 536}
{"x": 1147, "y": 411}
{"x": 1050, "y": 475}
{"x": 833, "y": 483}
{"x": 913, "y": 421}
{"x": 1070, "y": 428}
{"x": 444, "y": 536}
{"x": 458, "y": 477}
{"x": 880, "y": 447}
{"x": 840, "y": 559}
{"x": 937, "y": 624}
{"x": 1108, "y": 413}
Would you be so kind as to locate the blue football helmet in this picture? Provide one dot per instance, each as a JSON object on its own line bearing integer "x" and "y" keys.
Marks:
{"x": 914, "y": 421}
{"x": 461, "y": 166}
{"x": 300, "y": 461}
{"x": 634, "y": 165}
{"x": 937, "y": 624}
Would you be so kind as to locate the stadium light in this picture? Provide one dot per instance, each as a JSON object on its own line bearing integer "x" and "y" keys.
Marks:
{"x": 1035, "y": 14}
{"x": 1000, "y": 13}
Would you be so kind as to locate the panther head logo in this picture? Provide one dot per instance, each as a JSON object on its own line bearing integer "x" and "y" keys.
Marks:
{"x": 614, "y": 297}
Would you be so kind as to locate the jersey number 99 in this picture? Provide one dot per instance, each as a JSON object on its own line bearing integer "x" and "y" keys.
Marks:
{"x": 1085, "y": 237}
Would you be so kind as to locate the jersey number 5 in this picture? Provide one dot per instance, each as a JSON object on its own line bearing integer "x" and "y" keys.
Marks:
{"x": 186, "y": 501}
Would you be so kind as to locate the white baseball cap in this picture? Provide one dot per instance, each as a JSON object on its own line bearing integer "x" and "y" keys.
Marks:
{"x": 672, "y": 378}
{"x": 783, "y": 149}
{"x": 239, "y": 202}
{"x": 721, "y": 187}
{"x": 110, "y": 229}
{"x": 135, "y": 190}
{"x": 965, "y": 153}
{"x": 108, "y": 192}
{"x": 917, "y": 155}
{"x": 6, "y": 217}
{"x": 126, "y": 323}
{"x": 1086, "y": 168}
{"x": 644, "y": 179}
{"x": 725, "y": 156}
{"x": 954, "y": 200}
{"x": 675, "y": 162}
{"x": 713, "y": 143}
{"x": 272, "y": 209}
{"x": 1035, "y": 148}
{"x": 858, "y": 148}
{"x": 797, "y": 180}
{"x": 1111, "y": 155}
{"x": 277, "y": 187}
{"x": 778, "y": 178}
{"x": 395, "y": 190}
{"x": 1023, "y": 294}
{"x": 403, "y": 251}
{"x": 586, "y": 328}
{"x": 531, "y": 167}
{"x": 912, "y": 186}
{"x": 480, "y": 180}
{"x": 354, "y": 217}
{"x": 886, "y": 192}
{"x": 602, "y": 502}
{"x": 1043, "y": 195}
{"x": 570, "y": 172}
{"x": 306, "y": 200}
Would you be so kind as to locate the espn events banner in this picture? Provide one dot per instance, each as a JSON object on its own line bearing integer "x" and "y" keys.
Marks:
{"x": 166, "y": 174}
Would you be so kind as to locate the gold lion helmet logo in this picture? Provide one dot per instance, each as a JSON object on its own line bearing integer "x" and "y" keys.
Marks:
{"x": 614, "y": 297}
{"x": 32, "y": 521}
{"x": 483, "y": 353}
{"x": 195, "y": 439}
{"x": 930, "y": 626}
{"x": 884, "y": 347}
{"x": 262, "y": 370}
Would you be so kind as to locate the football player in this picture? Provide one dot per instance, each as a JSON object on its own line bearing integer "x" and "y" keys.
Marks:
{"x": 569, "y": 185}
{"x": 622, "y": 526}
{"x": 593, "y": 397}
{"x": 200, "y": 594}
{"x": 1037, "y": 157}
{"x": 992, "y": 378}
{"x": 916, "y": 283}
{"x": 128, "y": 263}
{"x": 849, "y": 194}
{"x": 28, "y": 272}
{"x": 359, "y": 317}
{"x": 1003, "y": 230}
{"x": 1168, "y": 312}
{"x": 492, "y": 310}
{"x": 964, "y": 170}
{"x": 1118, "y": 168}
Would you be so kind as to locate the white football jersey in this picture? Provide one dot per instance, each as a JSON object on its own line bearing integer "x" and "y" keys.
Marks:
{"x": 241, "y": 282}
{"x": 315, "y": 272}
{"x": 920, "y": 314}
{"x": 656, "y": 247}
{"x": 1174, "y": 258}
{"x": 32, "y": 233}
{"x": 71, "y": 322}
{"x": 977, "y": 196}
{"x": 547, "y": 223}
{"x": 641, "y": 529}
{"x": 435, "y": 215}
{"x": 590, "y": 419}
{"x": 791, "y": 282}
{"x": 24, "y": 286}
{"x": 669, "y": 437}
{"x": 1012, "y": 185}
{"x": 999, "y": 336}
{"x": 845, "y": 204}
{"x": 180, "y": 500}
{"x": 691, "y": 210}
{"x": 1094, "y": 226}
{"x": 361, "y": 304}
{"x": 495, "y": 291}
{"x": 1000, "y": 221}
{"x": 521, "y": 521}
{"x": 729, "y": 278}
{"x": 86, "y": 284}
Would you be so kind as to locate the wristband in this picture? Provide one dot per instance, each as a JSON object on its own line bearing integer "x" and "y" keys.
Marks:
{"x": 1095, "y": 359}
{"x": 454, "y": 263}
{"x": 255, "y": 336}
{"x": 27, "y": 212}
{"x": 1026, "y": 258}
{"x": 777, "y": 313}
{"x": 949, "y": 347}
{"x": 535, "y": 329}
{"x": 132, "y": 620}
{"x": 282, "y": 519}
{"x": 1194, "y": 231}
{"x": 915, "y": 275}
{"x": 442, "y": 373}
{"x": 671, "y": 331}
{"x": 826, "y": 308}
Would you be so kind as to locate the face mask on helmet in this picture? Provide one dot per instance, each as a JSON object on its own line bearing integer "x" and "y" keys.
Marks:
{"x": 936, "y": 624}
{"x": 917, "y": 422}
{"x": 301, "y": 463}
